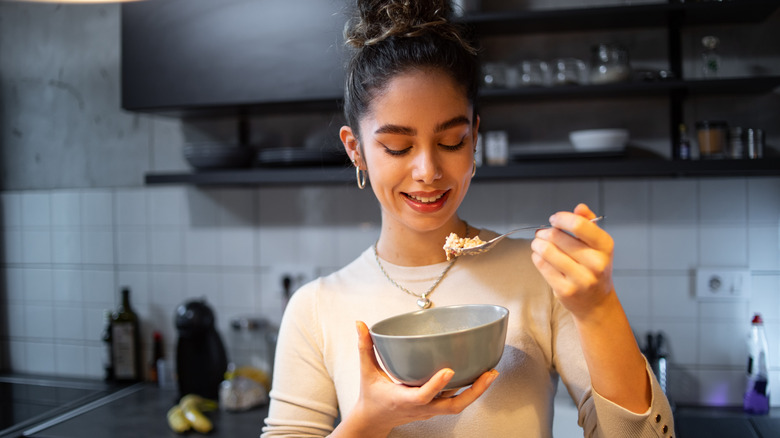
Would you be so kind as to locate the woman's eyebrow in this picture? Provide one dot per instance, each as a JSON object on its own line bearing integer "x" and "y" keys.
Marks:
{"x": 405, "y": 130}
{"x": 451, "y": 123}
{"x": 395, "y": 129}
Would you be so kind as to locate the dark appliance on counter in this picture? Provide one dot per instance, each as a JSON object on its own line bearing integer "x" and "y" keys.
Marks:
{"x": 201, "y": 360}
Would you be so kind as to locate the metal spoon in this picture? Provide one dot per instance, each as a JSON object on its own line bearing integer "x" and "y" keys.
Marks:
{"x": 487, "y": 246}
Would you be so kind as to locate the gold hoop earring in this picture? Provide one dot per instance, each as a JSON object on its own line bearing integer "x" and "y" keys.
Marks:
{"x": 361, "y": 178}
{"x": 474, "y": 170}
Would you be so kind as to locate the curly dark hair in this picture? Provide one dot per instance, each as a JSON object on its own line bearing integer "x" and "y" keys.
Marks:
{"x": 391, "y": 37}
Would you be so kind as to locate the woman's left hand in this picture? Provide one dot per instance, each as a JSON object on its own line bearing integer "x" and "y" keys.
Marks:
{"x": 575, "y": 257}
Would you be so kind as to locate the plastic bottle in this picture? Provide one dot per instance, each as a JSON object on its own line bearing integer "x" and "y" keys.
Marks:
{"x": 756, "y": 399}
{"x": 126, "y": 342}
{"x": 684, "y": 152}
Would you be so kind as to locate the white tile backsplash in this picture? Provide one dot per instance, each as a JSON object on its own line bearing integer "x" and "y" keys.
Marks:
{"x": 167, "y": 246}
{"x": 11, "y": 209}
{"x": 722, "y": 343}
{"x": 627, "y": 202}
{"x": 69, "y": 323}
{"x": 70, "y": 360}
{"x": 764, "y": 200}
{"x": 132, "y": 247}
{"x": 36, "y": 246}
{"x": 66, "y": 246}
{"x": 131, "y": 208}
{"x": 97, "y": 208}
{"x": 36, "y": 209}
{"x": 673, "y": 201}
{"x": 66, "y": 209}
{"x": 97, "y": 247}
{"x": 38, "y": 286}
{"x": 39, "y": 321}
{"x": 724, "y": 245}
{"x": 674, "y": 246}
{"x": 67, "y": 286}
{"x": 11, "y": 251}
{"x": 39, "y": 358}
{"x": 67, "y": 252}
{"x": 237, "y": 247}
{"x": 723, "y": 200}
{"x": 764, "y": 247}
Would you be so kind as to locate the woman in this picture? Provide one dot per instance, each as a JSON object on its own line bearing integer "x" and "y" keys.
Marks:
{"x": 412, "y": 130}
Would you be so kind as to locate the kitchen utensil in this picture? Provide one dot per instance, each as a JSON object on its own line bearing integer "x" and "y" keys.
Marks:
{"x": 487, "y": 246}
{"x": 591, "y": 140}
{"x": 468, "y": 339}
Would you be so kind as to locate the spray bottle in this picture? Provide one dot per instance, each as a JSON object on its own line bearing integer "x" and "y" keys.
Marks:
{"x": 756, "y": 399}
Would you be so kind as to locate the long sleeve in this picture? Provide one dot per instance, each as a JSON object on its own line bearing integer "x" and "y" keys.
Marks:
{"x": 303, "y": 394}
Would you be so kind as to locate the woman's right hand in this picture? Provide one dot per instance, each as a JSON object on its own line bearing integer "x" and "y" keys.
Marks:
{"x": 384, "y": 404}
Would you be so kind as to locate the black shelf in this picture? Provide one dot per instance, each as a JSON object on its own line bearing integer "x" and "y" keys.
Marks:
{"x": 743, "y": 85}
{"x": 620, "y": 17}
{"x": 523, "y": 170}
{"x": 671, "y": 16}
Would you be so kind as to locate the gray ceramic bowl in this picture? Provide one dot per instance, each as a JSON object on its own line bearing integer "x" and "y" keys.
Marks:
{"x": 469, "y": 339}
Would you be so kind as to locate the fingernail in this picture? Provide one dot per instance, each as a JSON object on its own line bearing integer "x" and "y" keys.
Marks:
{"x": 448, "y": 374}
{"x": 492, "y": 377}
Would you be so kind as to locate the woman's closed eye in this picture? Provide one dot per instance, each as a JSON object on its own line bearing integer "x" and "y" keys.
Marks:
{"x": 454, "y": 147}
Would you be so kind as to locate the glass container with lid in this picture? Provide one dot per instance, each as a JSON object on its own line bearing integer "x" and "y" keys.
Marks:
{"x": 609, "y": 63}
{"x": 252, "y": 343}
{"x": 712, "y": 136}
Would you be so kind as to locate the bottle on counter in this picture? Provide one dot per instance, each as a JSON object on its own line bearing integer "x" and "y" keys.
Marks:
{"x": 126, "y": 342}
{"x": 756, "y": 399}
{"x": 684, "y": 153}
{"x": 108, "y": 362}
{"x": 157, "y": 358}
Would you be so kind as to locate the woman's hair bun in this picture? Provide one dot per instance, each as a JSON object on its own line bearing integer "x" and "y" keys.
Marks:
{"x": 378, "y": 20}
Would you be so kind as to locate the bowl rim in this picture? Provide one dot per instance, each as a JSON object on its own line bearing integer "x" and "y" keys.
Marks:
{"x": 504, "y": 316}
{"x": 603, "y": 131}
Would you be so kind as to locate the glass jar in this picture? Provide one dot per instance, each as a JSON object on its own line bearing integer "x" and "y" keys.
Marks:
{"x": 569, "y": 71}
{"x": 713, "y": 137}
{"x": 252, "y": 343}
{"x": 736, "y": 145}
{"x": 609, "y": 63}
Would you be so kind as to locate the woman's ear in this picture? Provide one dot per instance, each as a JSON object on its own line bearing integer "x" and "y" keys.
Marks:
{"x": 350, "y": 142}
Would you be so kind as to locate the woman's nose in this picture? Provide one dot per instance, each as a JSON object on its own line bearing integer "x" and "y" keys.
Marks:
{"x": 426, "y": 167}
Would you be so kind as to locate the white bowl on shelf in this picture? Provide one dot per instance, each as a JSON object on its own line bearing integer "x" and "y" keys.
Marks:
{"x": 599, "y": 140}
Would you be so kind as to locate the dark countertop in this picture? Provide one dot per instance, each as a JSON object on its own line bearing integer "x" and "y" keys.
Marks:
{"x": 140, "y": 411}
{"x": 727, "y": 422}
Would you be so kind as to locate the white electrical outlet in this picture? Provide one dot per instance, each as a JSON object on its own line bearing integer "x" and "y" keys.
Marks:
{"x": 722, "y": 283}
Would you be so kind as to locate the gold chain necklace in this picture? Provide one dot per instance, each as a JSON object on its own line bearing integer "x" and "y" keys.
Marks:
{"x": 423, "y": 302}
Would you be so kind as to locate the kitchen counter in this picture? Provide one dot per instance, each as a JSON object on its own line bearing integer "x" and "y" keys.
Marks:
{"x": 694, "y": 422}
{"x": 140, "y": 411}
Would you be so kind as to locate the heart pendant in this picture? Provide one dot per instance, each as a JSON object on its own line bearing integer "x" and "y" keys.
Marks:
{"x": 424, "y": 303}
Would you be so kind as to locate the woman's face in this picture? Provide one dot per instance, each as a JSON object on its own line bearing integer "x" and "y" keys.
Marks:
{"x": 417, "y": 143}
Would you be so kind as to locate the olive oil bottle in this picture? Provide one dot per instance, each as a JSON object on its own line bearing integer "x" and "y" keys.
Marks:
{"x": 126, "y": 342}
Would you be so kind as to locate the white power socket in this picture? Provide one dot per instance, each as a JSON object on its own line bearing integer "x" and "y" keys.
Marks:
{"x": 722, "y": 283}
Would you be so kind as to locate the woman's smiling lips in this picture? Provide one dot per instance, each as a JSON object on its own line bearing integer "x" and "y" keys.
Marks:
{"x": 426, "y": 202}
